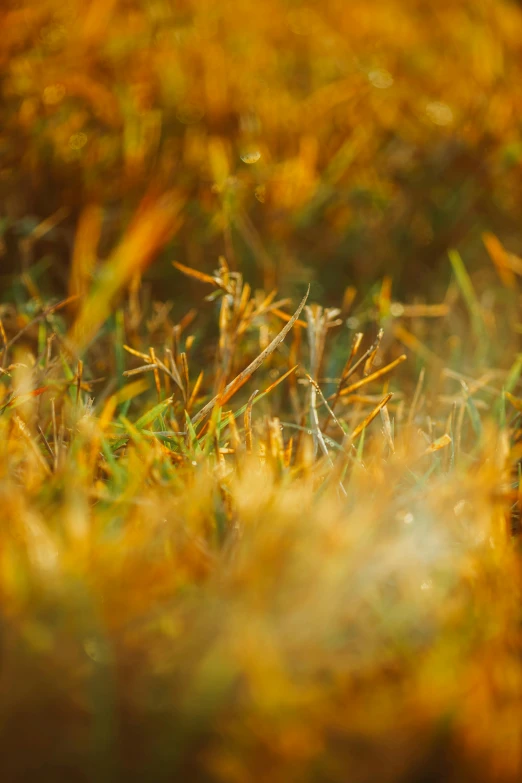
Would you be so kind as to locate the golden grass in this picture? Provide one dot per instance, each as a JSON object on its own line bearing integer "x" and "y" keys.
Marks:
{"x": 268, "y": 590}
{"x": 246, "y": 535}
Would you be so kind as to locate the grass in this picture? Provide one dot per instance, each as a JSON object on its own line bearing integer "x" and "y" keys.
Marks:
{"x": 272, "y": 562}
{"x": 260, "y": 391}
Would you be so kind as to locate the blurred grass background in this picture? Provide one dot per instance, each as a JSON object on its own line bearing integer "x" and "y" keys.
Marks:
{"x": 330, "y": 142}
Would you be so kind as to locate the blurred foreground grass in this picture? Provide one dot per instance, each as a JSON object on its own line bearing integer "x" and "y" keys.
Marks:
{"x": 246, "y": 536}
{"x": 300, "y": 568}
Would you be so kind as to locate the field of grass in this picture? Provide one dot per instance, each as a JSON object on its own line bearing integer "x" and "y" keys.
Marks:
{"x": 260, "y": 391}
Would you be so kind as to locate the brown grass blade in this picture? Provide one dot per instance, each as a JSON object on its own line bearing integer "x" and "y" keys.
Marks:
{"x": 348, "y": 299}
{"x": 3, "y": 335}
{"x": 285, "y": 317}
{"x": 280, "y": 379}
{"x": 388, "y": 368}
{"x": 414, "y": 344}
{"x": 248, "y": 421}
{"x": 195, "y": 391}
{"x": 420, "y": 310}
{"x": 137, "y": 353}
{"x": 157, "y": 381}
{"x": 49, "y": 223}
{"x": 84, "y": 256}
{"x": 79, "y": 377}
{"x": 138, "y": 370}
{"x": 371, "y": 416}
{"x": 387, "y": 429}
{"x": 516, "y": 402}
{"x": 154, "y": 224}
{"x": 438, "y": 444}
{"x": 499, "y": 257}
{"x": 196, "y": 274}
{"x": 371, "y": 358}
{"x": 21, "y": 398}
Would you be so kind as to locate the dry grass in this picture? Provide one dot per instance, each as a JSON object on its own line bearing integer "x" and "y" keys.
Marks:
{"x": 201, "y": 581}
{"x": 259, "y": 491}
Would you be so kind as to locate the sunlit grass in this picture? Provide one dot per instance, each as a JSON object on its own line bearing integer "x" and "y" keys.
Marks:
{"x": 260, "y": 391}
{"x": 273, "y": 563}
